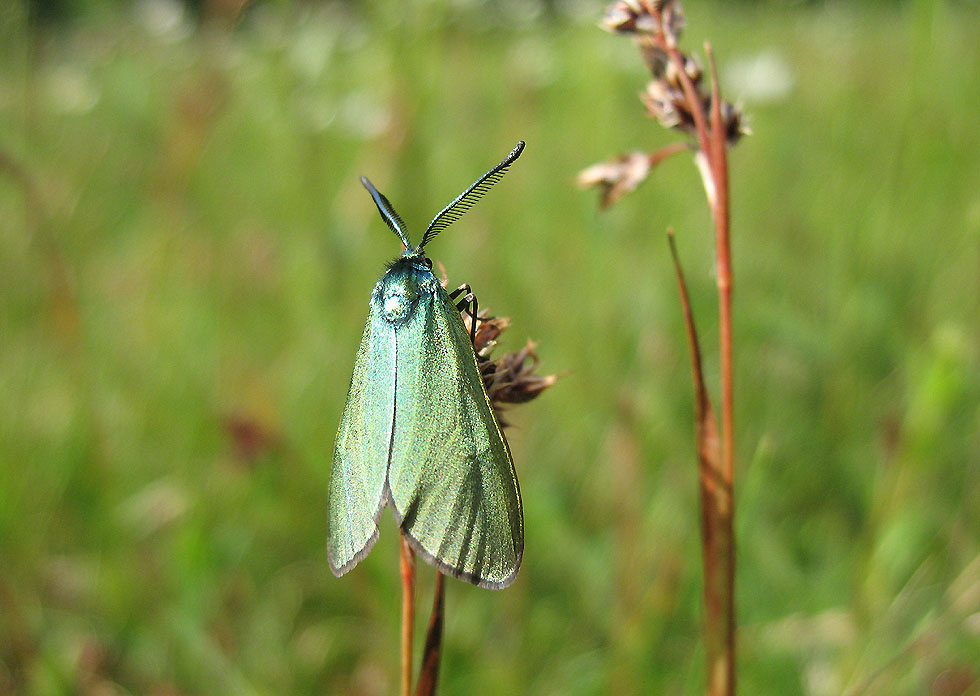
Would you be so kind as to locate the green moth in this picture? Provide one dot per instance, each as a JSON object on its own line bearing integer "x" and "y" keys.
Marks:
{"x": 418, "y": 432}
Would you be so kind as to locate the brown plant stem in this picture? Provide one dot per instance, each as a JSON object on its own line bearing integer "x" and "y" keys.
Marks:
{"x": 429, "y": 673}
{"x": 407, "y": 558}
{"x": 715, "y": 543}
{"x": 703, "y": 412}
{"x": 667, "y": 151}
{"x": 722, "y": 679}
{"x": 678, "y": 100}
{"x": 722, "y": 218}
{"x": 718, "y": 488}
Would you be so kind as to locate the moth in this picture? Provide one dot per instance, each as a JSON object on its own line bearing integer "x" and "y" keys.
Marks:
{"x": 418, "y": 433}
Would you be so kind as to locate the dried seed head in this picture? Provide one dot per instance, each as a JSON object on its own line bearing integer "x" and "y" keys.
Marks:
{"x": 630, "y": 17}
{"x": 666, "y": 101}
{"x": 665, "y": 97}
{"x": 645, "y": 18}
{"x": 617, "y": 177}
{"x": 691, "y": 67}
{"x": 621, "y": 17}
{"x": 488, "y": 329}
{"x": 669, "y": 105}
{"x": 671, "y": 19}
{"x": 655, "y": 26}
{"x": 674, "y": 97}
{"x": 510, "y": 379}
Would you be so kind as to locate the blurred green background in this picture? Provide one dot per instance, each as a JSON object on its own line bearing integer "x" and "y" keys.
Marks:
{"x": 186, "y": 256}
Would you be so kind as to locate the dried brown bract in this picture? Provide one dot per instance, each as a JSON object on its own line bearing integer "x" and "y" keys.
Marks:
{"x": 616, "y": 177}
{"x": 622, "y": 174}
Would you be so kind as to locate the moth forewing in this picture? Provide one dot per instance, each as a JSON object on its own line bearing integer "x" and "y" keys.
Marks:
{"x": 451, "y": 476}
{"x": 360, "y": 460}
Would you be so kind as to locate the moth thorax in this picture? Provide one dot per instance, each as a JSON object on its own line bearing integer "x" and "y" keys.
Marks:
{"x": 397, "y": 306}
{"x": 398, "y": 292}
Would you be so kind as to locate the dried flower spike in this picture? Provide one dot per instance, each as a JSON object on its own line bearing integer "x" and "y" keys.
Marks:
{"x": 645, "y": 18}
{"x": 510, "y": 379}
{"x": 677, "y": 96}
{"x": 626, "y": 17}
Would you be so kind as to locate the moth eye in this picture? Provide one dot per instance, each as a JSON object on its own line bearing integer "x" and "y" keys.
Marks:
{"x": 428, "y": 262}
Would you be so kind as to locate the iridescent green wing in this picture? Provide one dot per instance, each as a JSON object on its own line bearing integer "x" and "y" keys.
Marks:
{"x": 451, "y": 476}
{"x": 360, "y": 461}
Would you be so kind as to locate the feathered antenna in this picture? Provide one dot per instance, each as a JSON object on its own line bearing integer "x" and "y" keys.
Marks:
{"x": 388, "y": 214}
{"x": 464, "y": 201}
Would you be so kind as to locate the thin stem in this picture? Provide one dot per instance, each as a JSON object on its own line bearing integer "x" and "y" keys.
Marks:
{"x": 702, "y": 403}
{"x": 722, "y": 670}
{"x": 722, "y": 218}
{"x": 666, "y": 43}
{"x": 668, "y": 151}
{"x": 691, "y": 94}
{"x": 714, "y": 551}
{"x": 718, "y": 488}
{"x": 429, "y": 673}
{"x": 408, "y": 614}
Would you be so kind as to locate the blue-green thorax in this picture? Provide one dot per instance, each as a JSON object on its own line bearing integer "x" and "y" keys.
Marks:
{"x": 398, "y": 291}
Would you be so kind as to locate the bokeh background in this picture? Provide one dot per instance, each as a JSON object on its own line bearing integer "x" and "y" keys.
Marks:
{"x": 186, "y": 256}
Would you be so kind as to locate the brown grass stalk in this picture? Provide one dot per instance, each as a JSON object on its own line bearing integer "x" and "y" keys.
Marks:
{"x": 724, "y": 500}
{"x": 717, "y": 472}
{"x": 429, "y": 672}
{"x": 715, "y": 545}
{"x": 407, "y": 558}
{"x": 677, "y": 98}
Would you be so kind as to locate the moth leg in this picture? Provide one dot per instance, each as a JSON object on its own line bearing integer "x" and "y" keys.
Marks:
{"x": 468, "y": 304}
{"x": 455, "y": 293}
